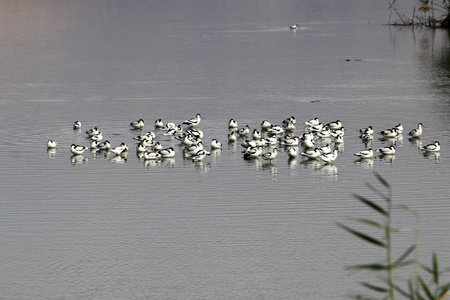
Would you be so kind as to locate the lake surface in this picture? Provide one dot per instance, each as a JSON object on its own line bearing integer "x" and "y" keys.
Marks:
{"x": 101, "y": 227}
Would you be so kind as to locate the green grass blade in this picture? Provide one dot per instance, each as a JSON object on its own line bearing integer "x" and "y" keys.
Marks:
{"x": 362, "y": 297}
{"x": 367, "y": 222}
{"x": 443, "y": 291}
{"x": 404, "y": 255}
{"x": 426, "y": 269}
{"x": 371, "y": 204}
{"x": 382, "y": 180}
{"x": 426, "y": 289}
{"x": 435, "y": 269}
{"x": 401, "y": 291}
{"x": 374, "y": 287}
{"x": 372, "y": 267}
{"x": 362, "y": 236}
{"x": 405, "y": 263}
{"x": 411, "y": 289}
{"x": 376, "y": 191}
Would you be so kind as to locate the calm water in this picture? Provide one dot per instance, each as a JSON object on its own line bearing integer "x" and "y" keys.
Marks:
{"x": 227, "y": 228}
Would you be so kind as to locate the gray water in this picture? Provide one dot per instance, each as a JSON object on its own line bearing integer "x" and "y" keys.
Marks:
{"x": 98, "y": 227}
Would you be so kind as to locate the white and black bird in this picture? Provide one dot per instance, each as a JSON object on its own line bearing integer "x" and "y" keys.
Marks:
{"x": 256, "y": 134}
{"x": 77, "y": 149}
{"x": 389, "y": 133}
{"x": 368, "y": 153}
{"x": 232, "y": 137}
{"x": 92, "y": 131}
{"x": 390, "y": 150}
{"x": 159, "y": 124}
{"x": 193, "y": 121}
{"x": 265, "y": 125}
{"x": 119, "y": 149}
{"x": 76, "y": 125}
{"x": 94, "y": 145}
{"x": 232, "y": 124}
{"x": 151, "y": 155}
{"x": 325, "y": 149}
{"x": 399, "y": 128}
{"x": 433, "y": 147}
{"x": 200, "y": 155}
{"x": 313, "y": 153}
{"x": 290, "y": 141}
{"x": 51, "y": 144}
{"x": 167, "y": 152}
{"x": 292, "y": 152}
{"x": 366, "y": 131}
{"x": 336, "y": 125}
{"x": 270, "y": 155}
{"x": 215, "y": 144}
{"x": 312, "y": 122}
{"x": 252, "y": 152}
{"x": 106, "y": 145}
{"x": 276, "y": 130}
{"x": 244, "y": 131}
{"x": 416, "y": 132}
{"x": 139, "y": 124}
{"x": 98, "y": 137}
{"x": 329, "y": 157}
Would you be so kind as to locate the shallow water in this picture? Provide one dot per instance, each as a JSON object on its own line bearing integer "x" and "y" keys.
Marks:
{"x": 98, "y": 227}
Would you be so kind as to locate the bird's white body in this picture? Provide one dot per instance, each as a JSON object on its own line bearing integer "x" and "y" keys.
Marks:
{"x": 200, "y": 155}
{"x": 194, "y": 121}
{"x": 252, "y": 152}
{"x": 325, "y": 149}
{"x": 118, "y": 150}
{"x": 416, "y": 132}
{"x": 215, "y": 144}
{"x": 315, "y": 153}
{"x": 232, "y": 136}
{"x": 290, "y": 141}
{"x": 159, "y": 124}
{"x": 308, "y": 143}
{"x": 434, "y": 147}
{"x": 265, "y": 125}
{"x": 94, "y": 144}
{"x": 336, "y": 125}
{"x": 329, "y": 157}
{"x": 312, "y": 122}
{"x": 77, "y": 149}
{"x": 139, "y": 124}
{"x": 167, "y": 152}
{"x": 98, "y": 137}
{"x": 51, "y": 144}
{"x": 151, "y": 155}
{"x": 106, "y": 145}
{"x": 270, "y": 155}
{"x": 292, "y": 152}
{"x": 232, "y": 124}
{"x": 387, "y": 150}
{"x": 365, "y": 153}
{"x": 76, "y": 125}
{"x": 389, "y": 133}
{"x": 92, "y": 131}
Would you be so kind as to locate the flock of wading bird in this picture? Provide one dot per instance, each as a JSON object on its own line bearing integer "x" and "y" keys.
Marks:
{"x": 260, "y": 143}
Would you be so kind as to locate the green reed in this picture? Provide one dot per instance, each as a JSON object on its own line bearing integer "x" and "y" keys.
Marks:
{"x": 417, "y": 288}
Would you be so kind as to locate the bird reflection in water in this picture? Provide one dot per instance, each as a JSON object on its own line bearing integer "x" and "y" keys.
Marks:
{"x": 436, "y": 156}
{"x": 329, "y": 169}
{"x": 366, "y": 163}
{"x": 272, "y": 168}
{"x": 51, "y": 152}
{"x": 77, "y": 159}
